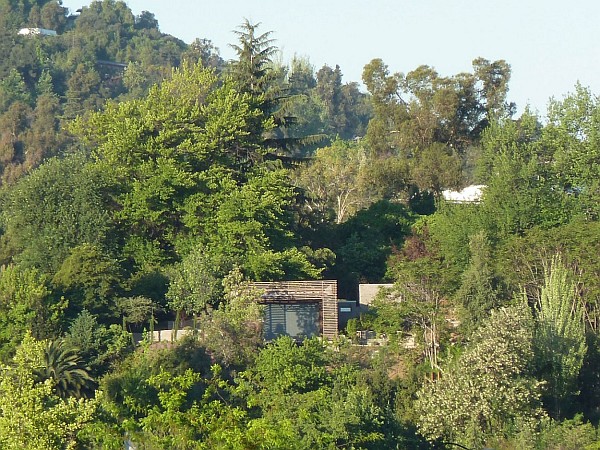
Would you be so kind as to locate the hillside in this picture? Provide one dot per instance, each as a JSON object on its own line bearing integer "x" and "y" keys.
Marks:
{"x": 146, "y": 184}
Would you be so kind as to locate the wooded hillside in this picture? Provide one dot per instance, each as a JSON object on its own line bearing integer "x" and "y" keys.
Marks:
{"x": 146, "y": 181}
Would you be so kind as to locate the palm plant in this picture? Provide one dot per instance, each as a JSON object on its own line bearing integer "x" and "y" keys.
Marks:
{"x": 64, "y": 367}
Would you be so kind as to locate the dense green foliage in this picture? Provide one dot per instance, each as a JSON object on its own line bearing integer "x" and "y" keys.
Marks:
{"x": 147, "y": 181}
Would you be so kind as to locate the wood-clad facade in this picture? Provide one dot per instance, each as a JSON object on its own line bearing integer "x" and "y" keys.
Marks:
{"x": 297, "y": 306}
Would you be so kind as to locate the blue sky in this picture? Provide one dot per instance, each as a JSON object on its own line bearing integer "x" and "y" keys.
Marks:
{"x": 550, "y": 44}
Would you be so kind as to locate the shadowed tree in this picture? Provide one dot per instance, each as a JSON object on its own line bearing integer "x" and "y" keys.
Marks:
{"x": 257, "y": 75}
{"x": 254, "y": 53}
{"x": 63, "y": 366}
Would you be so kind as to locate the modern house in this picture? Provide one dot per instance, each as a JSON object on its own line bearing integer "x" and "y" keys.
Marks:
{"x": 300, "y": 308}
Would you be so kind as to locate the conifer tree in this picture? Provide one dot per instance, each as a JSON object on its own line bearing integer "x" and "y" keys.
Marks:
{"x": 560, "y": 344}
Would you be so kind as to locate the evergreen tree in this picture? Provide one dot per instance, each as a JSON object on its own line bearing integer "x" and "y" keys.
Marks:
{"x": 477, "y": 293}
{"x": 63, "y": 367}
{"x": 560, "y": 342}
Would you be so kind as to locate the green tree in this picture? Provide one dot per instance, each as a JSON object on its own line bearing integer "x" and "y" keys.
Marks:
{"x": 389, "y": 108}
{"x": 89, "y": 278}
{"x": 329, "y": 91}
{"x": 478, "y": 292}
{"x": 254, "y": 52}
{"x": 137, "y": 310}
{"x": 494, "y": 77}
{"x": 53, "y": 16}
{"x": 83, "y": 93}
{"x": 169, "y": 155}
{"x": 233, "y": 332}
{"x": 253, "y": 228}
{"x": 302, "y": 400}
{"x": 14, "y": 124}
{"x": 521, "y": 187}
{"x": 13, "y": 89}
{"x": 193, "y": 285}
{"x": 416, "y": 110}
{"x": 572, "y": 135}
{"x": 204, "y": 51}
{"x": 489, "y": 389}
{"x": 257, "y": 74}
{"x": 436, "y": 168}
{"x": 63, "y": 367}
{"x": 364, "y": 243}
{"x": 100, "y": 346}
{"x": 560, "y": 341}
{"x": 43, "y": 138}
{"x": 335, "y": 180}
{"x": 26, "y": 305}
{"x": 31, "y": 414}
{"x": 57, "y": 207}
{"x": 521, "y": 260}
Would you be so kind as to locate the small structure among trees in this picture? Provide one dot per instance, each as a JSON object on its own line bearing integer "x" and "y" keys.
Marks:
{"x": 300, "y": 308}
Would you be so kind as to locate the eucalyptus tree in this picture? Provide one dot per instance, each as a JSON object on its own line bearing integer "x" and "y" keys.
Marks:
{"x": 421, "y": 107}
{"x": 335, "y": 180}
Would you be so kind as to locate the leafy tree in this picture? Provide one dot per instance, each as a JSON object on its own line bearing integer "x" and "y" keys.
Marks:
{"x": 493, "y": 78}
{"x": 478, "y": 292}
{"x": 488, "y": 389}
{"x": 146, "y": 20}
{"x": 389, "y": 178}
{"x": 194, "y": 285}
{"x": 301, "y": 404}
{"x": 53, "y": 16}
{"x": 83, "y": 93}
{"x": 137, "y": 310}
{"x": 204, "y": 51}
{"x": 363, "y": 243}
{"x": 56, "y": 208}
{"x": 89, "y": 278}
{"x": 436, "y": 168}
{"x": 335, "y": 180}
{"x": 43, "y": 139}
{"x": 520, "y": 261}
{"x": 389, "y": 108}
{"x": 253, "y": 228}
{"x": 26, "y": 305}
{"x": 233, "y": 332}
{"x": 31, "y": 414}
{"x": 572, "y": 133}
{"x": 560, "y": 341}
{"x": 100, "y": 346}
{"x": 169, "y": 154}
{"x": 422, "y": 313}
{"x": 521, "y": 189}
{"x": 451, "y": 228}
{"x": 329, "y": 91}
{"x": 416, "y": 110}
